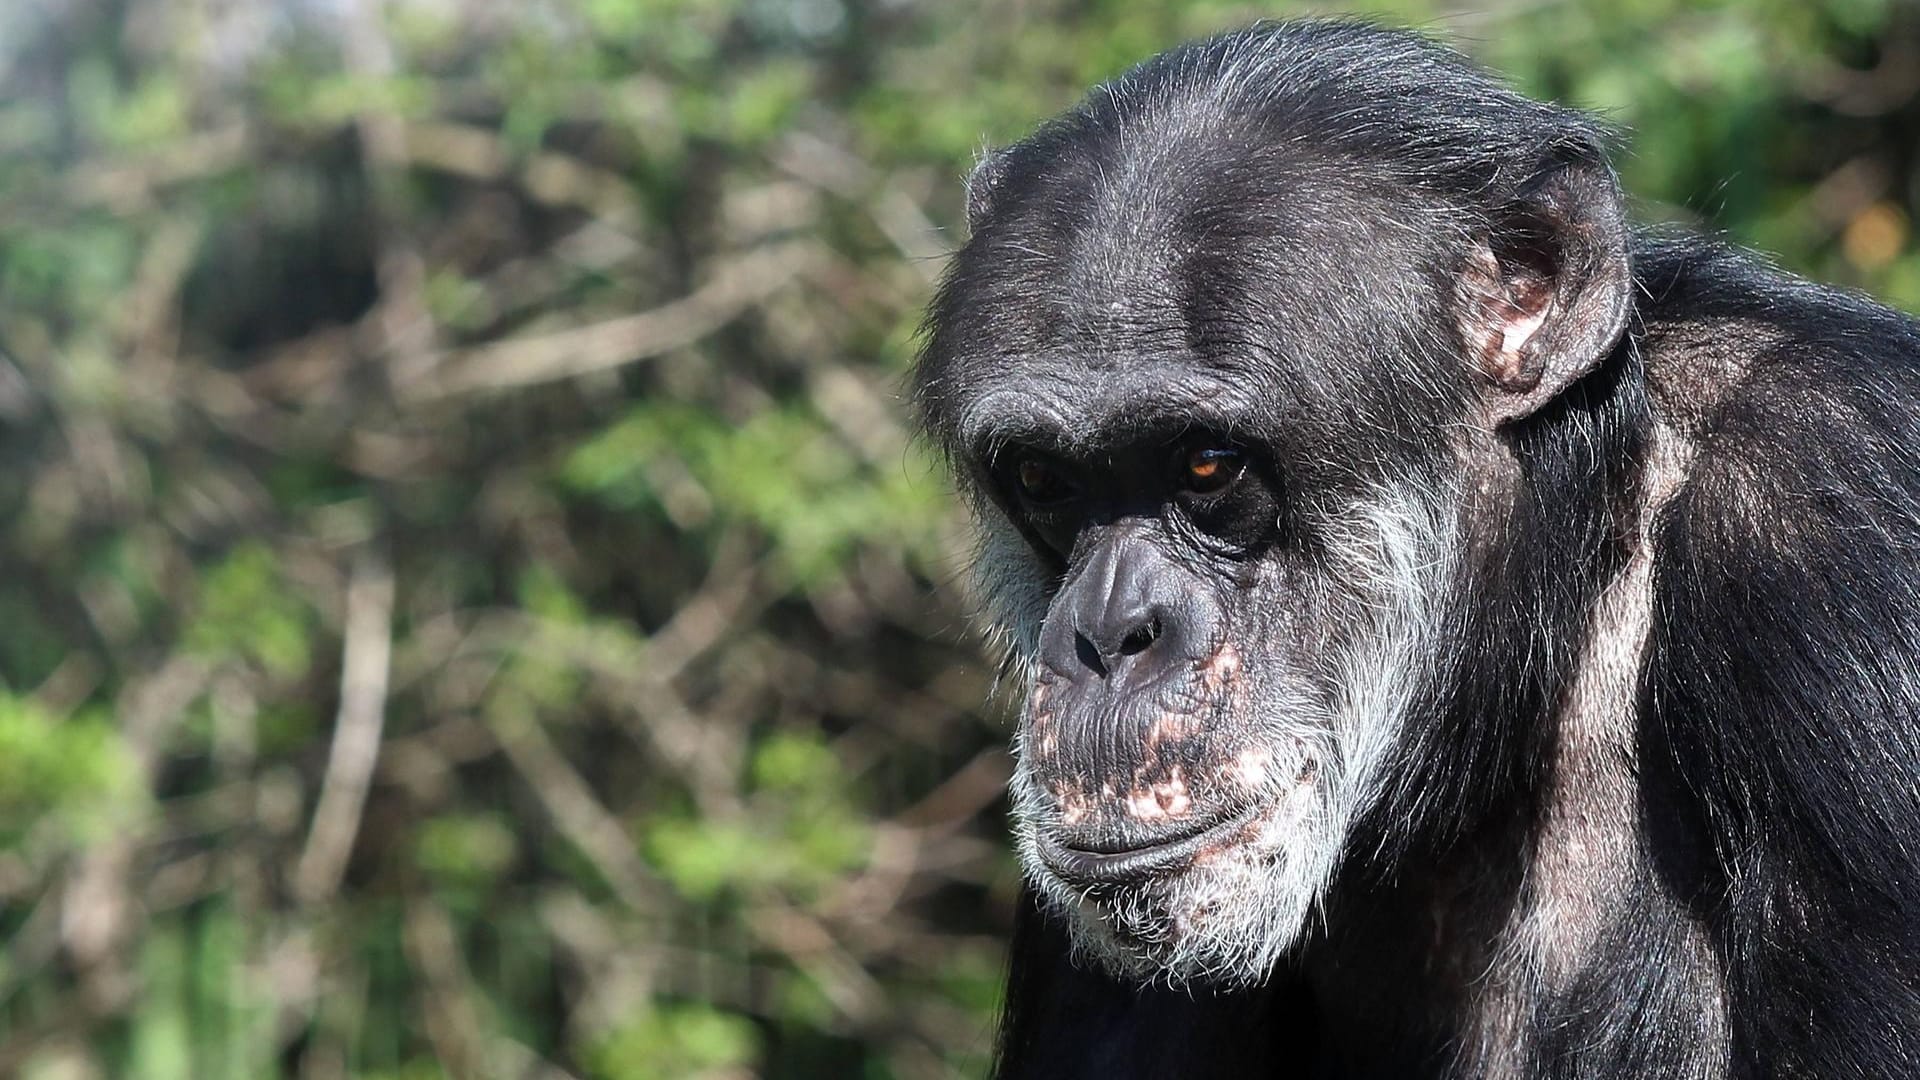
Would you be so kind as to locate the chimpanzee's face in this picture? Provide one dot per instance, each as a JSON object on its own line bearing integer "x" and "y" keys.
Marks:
{"x": 1219, "y": 509}
{"x": 1235, "y": 407}
{"x": 1214, "y": 684}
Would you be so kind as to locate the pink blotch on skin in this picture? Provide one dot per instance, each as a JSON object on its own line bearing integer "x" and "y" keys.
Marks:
{"x": 1221, "y": 668}
{"x": 1073, "y": 805}
{"x": 1250, "y": 768}
{"x": 1166, "y": 799}
{"x": 1172, "y": 726}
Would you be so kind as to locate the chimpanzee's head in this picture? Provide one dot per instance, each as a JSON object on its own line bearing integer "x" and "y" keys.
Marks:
{"x": 1232, "y": 368}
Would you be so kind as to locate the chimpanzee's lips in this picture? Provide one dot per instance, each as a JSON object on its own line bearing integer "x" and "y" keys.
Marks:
{"x": 1134, "y": 866}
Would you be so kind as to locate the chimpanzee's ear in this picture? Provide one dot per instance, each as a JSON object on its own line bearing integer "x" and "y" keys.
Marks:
{"x": 986, "y": 176}
{"x": 1545, "y": 296}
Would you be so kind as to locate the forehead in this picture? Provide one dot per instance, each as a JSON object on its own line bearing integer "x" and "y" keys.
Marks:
{"x": 1174, "y": 290}
{"x": 1073, "y": 409}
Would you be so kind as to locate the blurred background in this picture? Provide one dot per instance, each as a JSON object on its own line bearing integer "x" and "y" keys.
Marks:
{"x": 473, "y": 604}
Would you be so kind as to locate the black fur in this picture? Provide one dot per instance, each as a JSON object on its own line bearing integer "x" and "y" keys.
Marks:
{"x": 1770, "y": 924}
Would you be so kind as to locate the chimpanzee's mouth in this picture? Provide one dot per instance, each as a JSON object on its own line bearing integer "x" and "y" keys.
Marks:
{"x": 1133, "y": 866}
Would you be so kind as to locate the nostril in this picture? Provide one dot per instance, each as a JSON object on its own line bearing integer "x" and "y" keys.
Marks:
{"x": 1088, "y": 654}
{"x": 1140, "y": 637}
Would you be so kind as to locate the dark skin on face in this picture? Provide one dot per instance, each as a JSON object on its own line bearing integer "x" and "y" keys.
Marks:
{"x": 1462, "y": 636}
{"x": 1136, "y": 641}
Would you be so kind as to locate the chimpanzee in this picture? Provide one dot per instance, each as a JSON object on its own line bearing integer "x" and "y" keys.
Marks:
{"x": 1463, "y": 634}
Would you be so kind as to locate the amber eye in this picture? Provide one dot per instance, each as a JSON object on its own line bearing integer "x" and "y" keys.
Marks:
{"x": 1208, "y": 469}
{"x": 1041, "y": 482}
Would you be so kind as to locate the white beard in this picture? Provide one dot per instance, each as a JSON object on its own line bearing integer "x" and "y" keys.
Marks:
{"x": 1246, "y": 901}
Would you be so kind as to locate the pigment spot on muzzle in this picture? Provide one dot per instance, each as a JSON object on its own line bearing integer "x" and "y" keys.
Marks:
{"x": 1158, "y": 801}
{"x": 1073, "y": 803}
{"x": 1041, "y": 733}
{"x": 1146, "y": 757}
{"x": 1251, "y": 767}
{"x": 1220, "y": 670}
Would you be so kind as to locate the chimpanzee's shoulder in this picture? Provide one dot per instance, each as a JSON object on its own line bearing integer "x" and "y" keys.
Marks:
{"x": 1784, "y": 678}
{"x": 1790, "y": 414}
{"x": 1741, "y": 356}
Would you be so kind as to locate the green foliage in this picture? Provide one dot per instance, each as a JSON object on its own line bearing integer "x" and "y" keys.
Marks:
{"x": 683, "y": 1040}
{"x": 798, "y": 763}
{"x": 805, "y": 832}
{"x": 781, "y": 470}
{"x": 246, "y": 611}
{"x": 582, "y": 325}
{"x": 701, "y": 858}
{"x": 470, "y": 849}
{"x": 70, "y": 772}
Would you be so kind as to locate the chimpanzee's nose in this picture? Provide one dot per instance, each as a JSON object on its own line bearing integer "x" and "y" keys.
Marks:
{"x": 1127, "y": 613}
{"x": 1104, "y": 640}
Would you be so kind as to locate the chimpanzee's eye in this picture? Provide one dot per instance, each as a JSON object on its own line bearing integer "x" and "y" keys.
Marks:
{"x": 1041, "y": 481}
{"x": 1208, "y": 469}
